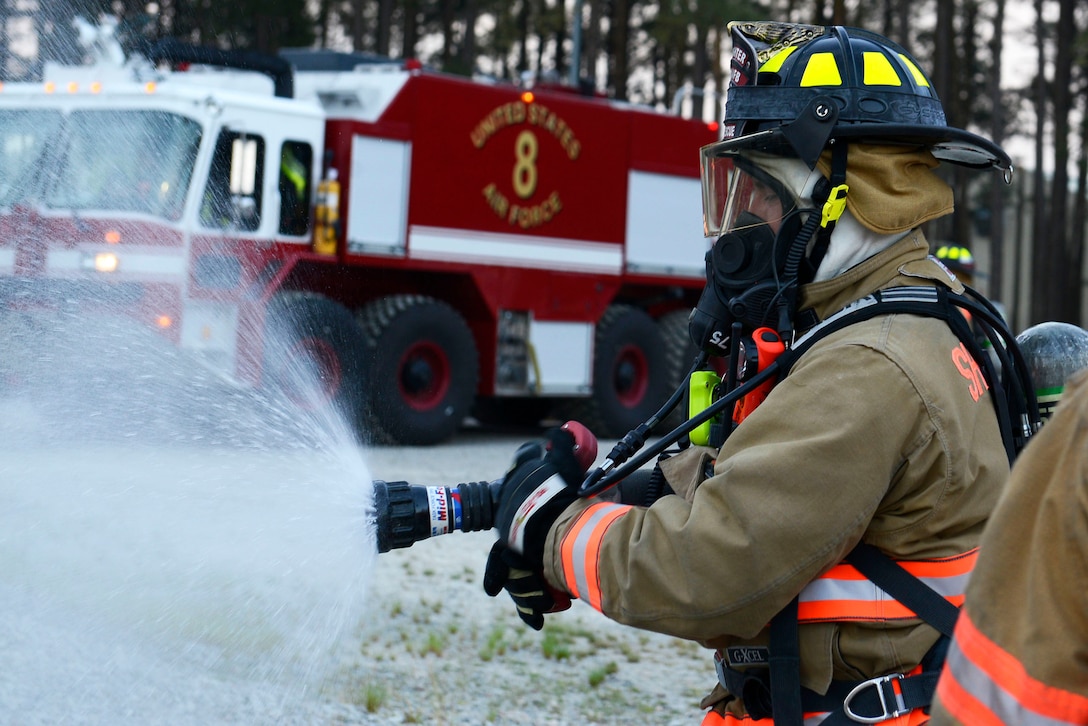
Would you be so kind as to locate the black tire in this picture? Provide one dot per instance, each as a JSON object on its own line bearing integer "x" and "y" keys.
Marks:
{"x": 422, "y": 368}
{"x": 313, "y": 354}
{"x": 680, "y": 352}
{"x": 631, "y": 376}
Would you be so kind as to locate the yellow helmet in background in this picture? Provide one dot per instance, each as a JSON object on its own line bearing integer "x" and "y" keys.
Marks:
{"x": 958, "y": 259}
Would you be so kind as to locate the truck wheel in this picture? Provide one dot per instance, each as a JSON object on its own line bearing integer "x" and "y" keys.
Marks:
{"x": 631, "y": 377}
{"x": 313, "y": 349}
{"x": 680, "y": 352}
{"x": 422, "y": 370}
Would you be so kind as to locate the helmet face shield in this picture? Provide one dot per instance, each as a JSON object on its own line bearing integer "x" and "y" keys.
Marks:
{"x": 754, "y": 216}
{"x": 738, "y": 194}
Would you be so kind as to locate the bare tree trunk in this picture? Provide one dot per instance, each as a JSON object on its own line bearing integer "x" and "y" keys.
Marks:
{"x": 945, "y": 84}
{"x": 5, "y": 49}
{"x": 324, "y": 20}
{"x": 701, "y": 104}
{"x": 719, "y": 70}
{"x": 411, "y": 28}
{"x": 997, "y": 135}
{"x": 838, "y": 12}
{"x": 903, "y": 30}
{"x": 591, "y": 42}
{"x": 384, "y": 27}
{"x": 523, "y": 37}
{"x": 358, "y": 24}
{"x": 467, "y": 54}
{"x": 562, "y": 60}
{"x": 1021, "y": 310}
{"x": 539, "y": 9}
{"x": 960, "y": 78}
{"x": 446, "y": 10}
{"x": 1041, "y": 249}
{"x": 621, "y": 19}
{"x": 1066, "y": 292}
{"x": 1080, "y": 206}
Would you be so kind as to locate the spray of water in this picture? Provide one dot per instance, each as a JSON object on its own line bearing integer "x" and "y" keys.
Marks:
{"x": 173, "y": 548}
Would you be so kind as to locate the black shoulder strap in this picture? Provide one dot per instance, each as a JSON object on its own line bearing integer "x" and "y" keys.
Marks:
{"x": 1012, "y": 383}
{"x": 1013, "y": 395}
{"x": 907, "y": 589}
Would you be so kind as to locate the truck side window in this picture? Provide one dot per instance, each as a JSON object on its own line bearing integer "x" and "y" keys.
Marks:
{"x": 232, "y": 198}
{"x": 296, "y": 160}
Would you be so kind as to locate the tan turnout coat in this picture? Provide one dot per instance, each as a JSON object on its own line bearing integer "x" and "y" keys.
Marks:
{"x": 1028, "y": 597}
{"x": 875, "y": 435}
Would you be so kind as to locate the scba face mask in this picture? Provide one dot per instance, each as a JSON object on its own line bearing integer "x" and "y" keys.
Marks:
{"x": 756, "y": 217}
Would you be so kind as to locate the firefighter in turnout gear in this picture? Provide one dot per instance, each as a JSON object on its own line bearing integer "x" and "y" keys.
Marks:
{"x": 1020, "y": 649}
{"x": 1020, "y": 653}
{"x": 880, "y": 451}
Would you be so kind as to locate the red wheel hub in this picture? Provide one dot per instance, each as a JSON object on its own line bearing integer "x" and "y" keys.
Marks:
{"x": 424, "y": 375}
{"x": 631, "y": 376}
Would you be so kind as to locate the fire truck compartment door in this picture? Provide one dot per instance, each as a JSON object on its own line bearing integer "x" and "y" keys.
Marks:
{"x": 378, "y": 203}
{"x": 563, "y": 354}
{"x": 665, "y": 225}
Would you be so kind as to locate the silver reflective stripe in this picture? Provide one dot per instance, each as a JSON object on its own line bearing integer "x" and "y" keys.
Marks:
{"x": 825, "y": 589}
{"x": 581, "y": 546}
{"x": 1002, "y": 703}
{"x": 919, "y": 294}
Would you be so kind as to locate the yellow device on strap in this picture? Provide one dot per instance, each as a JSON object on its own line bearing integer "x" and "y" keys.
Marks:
{"x": 701, "y": 387}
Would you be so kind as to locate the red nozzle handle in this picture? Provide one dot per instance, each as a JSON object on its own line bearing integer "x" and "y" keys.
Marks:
{"x": 585, "y": 444}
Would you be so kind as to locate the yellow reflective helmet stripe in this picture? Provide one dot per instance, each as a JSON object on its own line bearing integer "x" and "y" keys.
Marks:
{"x": 822, "y": 70}
{"x": 878, "y": 70}
{"x": 919, "y": 77}
{"x": 774, "y": 63}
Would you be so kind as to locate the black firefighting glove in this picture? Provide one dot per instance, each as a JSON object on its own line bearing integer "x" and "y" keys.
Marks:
{"x": 542, "y": 482}
{"x": 531, "y": 593}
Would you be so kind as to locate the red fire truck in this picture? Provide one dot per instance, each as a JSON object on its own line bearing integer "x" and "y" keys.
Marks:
{"x": 437, "y": 247}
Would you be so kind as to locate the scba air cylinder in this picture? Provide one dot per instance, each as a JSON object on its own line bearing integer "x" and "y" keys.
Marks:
{"x": 1053, "y": 352}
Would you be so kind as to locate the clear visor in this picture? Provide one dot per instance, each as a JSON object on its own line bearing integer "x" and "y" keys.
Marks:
{"x": 736, "y": 193}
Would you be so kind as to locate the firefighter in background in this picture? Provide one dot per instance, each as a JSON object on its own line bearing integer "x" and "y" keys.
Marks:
{"x": 876, "y": 445}
{"x": 294, "y": 186}
{"x": 960, "y": 261}
{"x": 1020, "y": 650}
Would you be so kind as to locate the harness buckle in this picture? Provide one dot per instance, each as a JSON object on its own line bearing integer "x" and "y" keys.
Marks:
{"x": 888, "y": 691}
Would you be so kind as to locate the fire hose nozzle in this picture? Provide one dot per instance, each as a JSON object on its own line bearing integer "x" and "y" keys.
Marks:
{"x": 406, "y": 514}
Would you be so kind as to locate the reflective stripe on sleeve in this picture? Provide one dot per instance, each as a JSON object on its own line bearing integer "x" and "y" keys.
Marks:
{"x": 843, "y": 593}
{"x": 581, "y": 549}
{"x": 986, "y": 685}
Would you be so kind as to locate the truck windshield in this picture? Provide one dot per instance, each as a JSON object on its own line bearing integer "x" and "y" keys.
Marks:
{"x": 100, "y": 161}
{"x": 24, "y": 138}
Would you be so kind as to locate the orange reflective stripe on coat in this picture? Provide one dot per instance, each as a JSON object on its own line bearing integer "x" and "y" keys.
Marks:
{"x": 843, "y": 593}
{"x": 581, "y": 550}
{"x": 986, "y": 685}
